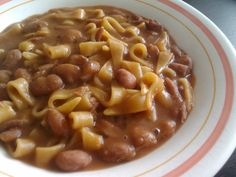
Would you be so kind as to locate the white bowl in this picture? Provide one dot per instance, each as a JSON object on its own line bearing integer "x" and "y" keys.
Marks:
{"x": 206, "y": 140}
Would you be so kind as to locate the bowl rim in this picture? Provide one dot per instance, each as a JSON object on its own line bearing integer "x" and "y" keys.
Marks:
{"x": 203, "y": 23}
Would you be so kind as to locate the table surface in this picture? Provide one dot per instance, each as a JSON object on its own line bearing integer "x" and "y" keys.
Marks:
{"x": 223, "y": 14}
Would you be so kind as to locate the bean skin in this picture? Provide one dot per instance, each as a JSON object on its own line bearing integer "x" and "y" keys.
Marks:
{"x": 142, "y": 136}
{"x": 69, "y": 73}
{"x": 181, "y": 69}
{"x": 167, "y": 128}
{"x": 153, "y": 51}
{"x": 57, "y": 122}
{"x": 126, "y": 78}
{"x": 70, "y": 35}
{"x": 22, "y": 73}
{"x": 73, "y": 160}
{"x": 46, "y": 85}
{"x": 116, "y": 150}
{"x": 34, "y": 26}
{"x": 12, "y": 59}
{"x": 99, "y": 33}
{"x": 79, "y": 60}
{"x": 5, "y": 76}
{"x": 89, "y": 70}
{"x": 153, "y": 26}
{"x": 10, "y": 135}
{"x": 3, "y": 92}
{"x": 12, "y": 123}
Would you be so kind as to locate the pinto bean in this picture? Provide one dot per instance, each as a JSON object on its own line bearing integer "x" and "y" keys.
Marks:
{"x": 69, "y": 73}
{"x": 185, "y": 60}
{"x": 173, "y": 89}
{"x": 142, "y": 136}
{"x": 135, "y": 19}
{"x": 167, "y": 128}
{"x": 73, "y": 160}
{"x": 13, "y": 123}
{"x": 43, "y": 70}
{"x": 153, "y": 51}
{"x": 45, "y": 85}
{"x": 79, "y": 60}
{"x": 3, "y": 92}
{"x": 175, "y": 49}
{"x": 183, "y": 113}
{"x": 10, "y": 135}
{"x": 57, "y": 122}
{"x": 12, "y": 59}
{"x": 126, "y": 78}
{"x": 5, "y": 76}
{"x": 116, "y": 150}
{"x": 22, "y": 73}
{"x": 182, "y": 70}
{"x": 153, "y": 25}
{"x": 34, "y": 26}
{"x": 99, "y": 33}
{"x": 89, "y": 70}
{"x": 70, "y": 35}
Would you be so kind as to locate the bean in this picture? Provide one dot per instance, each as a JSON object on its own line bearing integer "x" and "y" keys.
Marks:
{"x": 70, "y": 35}
{"x": 73, "y": 160}
{"x": 142, "y": 136}
{"x": 89, "y": 70}
{"x": 182, "y": 70}
{"x": 57, "y": 122}
{"x": 43, "y": 70}
{"x": 69, "y": 73}
{"x": 186, "y": 60}
{"x": 175, "y": 49}
{"x": 109, "y": 129}
{"x": 167, "y": 128}
{"x": 183, "y": 113}
{"x": 173, "y": 89}
{"x": 153, "y": 51}
{"x": 126, "y": 78}
{"x": 46, "y": 85}
{"x": 13, "y": 123}
{"x": 79, "y": 60}
{"x": 22, "y": 73}
{"x": 5, "y": 76}
{"x": 34, "y": 26}
{"x": 10, "y": 135}
{"x": 99, "y": 33}
{"x": 116, "y": 150}
{"x": 3, "y": 92}
{"x": 153, "y": 26}
{"x": 135, "y": 19}
{"x": 12, "y": 59}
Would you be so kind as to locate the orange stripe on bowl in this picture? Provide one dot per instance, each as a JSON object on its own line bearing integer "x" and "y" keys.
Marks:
{"x": 228, "y": 102}
{"x": 4, "y": 1}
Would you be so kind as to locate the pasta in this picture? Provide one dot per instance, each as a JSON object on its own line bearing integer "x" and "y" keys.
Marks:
{"x": 87, "y": 87}
{"x": 6, "y": 111}
{"x": 18, "y": 91}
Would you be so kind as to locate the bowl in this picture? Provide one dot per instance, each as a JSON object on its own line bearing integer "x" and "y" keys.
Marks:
{"x": 204, "y": 143}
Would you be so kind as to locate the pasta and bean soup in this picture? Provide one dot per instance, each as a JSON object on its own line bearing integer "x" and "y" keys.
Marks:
{"x": 85, "y": 88}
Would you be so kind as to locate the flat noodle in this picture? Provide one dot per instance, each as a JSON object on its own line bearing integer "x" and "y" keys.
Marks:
{"x": 142, "y": 51}
{"x": 117, "y": 51}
